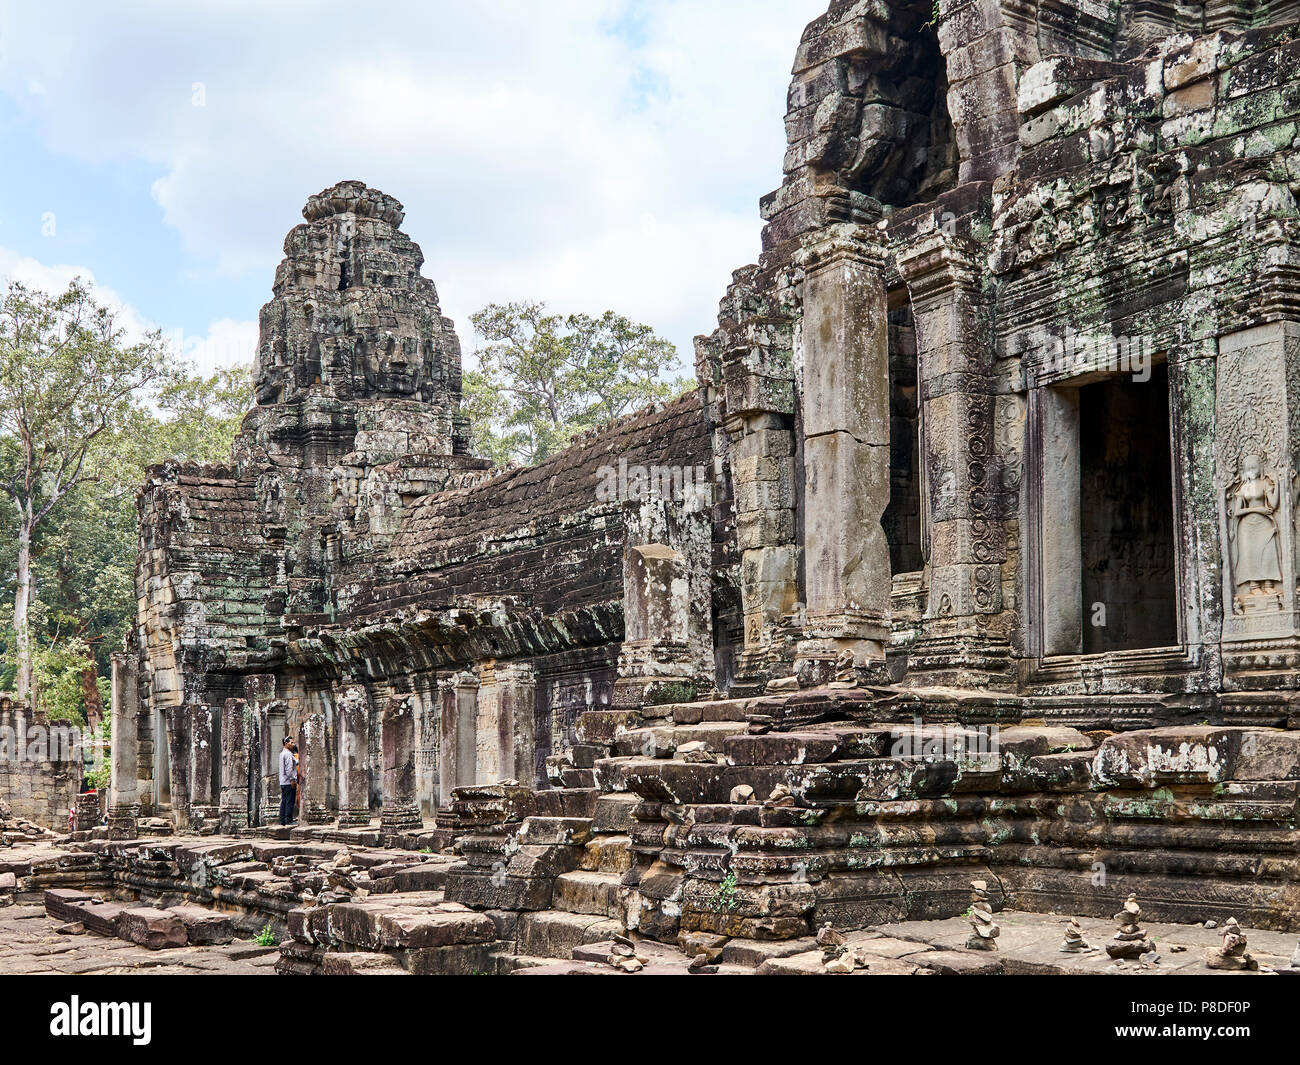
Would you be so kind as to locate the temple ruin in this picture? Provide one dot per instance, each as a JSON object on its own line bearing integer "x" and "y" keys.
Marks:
{"x": 973, "y": 558}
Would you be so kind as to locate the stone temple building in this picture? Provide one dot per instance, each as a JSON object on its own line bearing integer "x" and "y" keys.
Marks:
{"x": 976, "y": 551}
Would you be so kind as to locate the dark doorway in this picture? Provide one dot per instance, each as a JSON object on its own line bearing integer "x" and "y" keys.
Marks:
{"x": 1126, "y": 515}
{"x": 902, "y": 518}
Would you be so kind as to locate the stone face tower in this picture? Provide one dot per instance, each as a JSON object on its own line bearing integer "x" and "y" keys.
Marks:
{"x": 354, "y": 333}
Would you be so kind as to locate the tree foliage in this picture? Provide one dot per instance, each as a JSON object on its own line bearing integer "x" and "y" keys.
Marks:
{"x": 83, "y": 409}
{"x": 543, "y": 377}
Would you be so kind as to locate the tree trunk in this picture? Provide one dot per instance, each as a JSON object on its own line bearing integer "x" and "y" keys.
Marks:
{"x": 22, "y": 605}
{"x": 90, "y": 695}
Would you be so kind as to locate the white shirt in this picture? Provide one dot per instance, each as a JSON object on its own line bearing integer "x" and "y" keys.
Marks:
{"x": 287, "y": 773}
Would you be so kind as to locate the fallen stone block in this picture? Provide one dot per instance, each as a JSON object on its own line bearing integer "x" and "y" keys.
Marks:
{"x": 205, "y": 927}
{"x": 360, "y": 963}
{"x": 151, "y": 928}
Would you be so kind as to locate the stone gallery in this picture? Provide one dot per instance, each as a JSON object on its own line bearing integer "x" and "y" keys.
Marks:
{"x": 956, "y": 609}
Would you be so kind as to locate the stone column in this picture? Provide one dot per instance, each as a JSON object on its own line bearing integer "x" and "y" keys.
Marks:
{"x": 516, "y": 722}
{"x": 203, "y": 809}
{"x": 747, "y": 376}
{"x": 667, "y": 606}
{"x": 970, "y": 483}
{"x": 401, "y": 812}
{"x": 846, "y": 424}
{"x": 269, "y": 731}
{"x": 314, "y": 751}
{"x": 124, "y": 769}
{"x": 178, "y": 764}
{"x": 353, "y": 717}
{"x": 235, "y": 737}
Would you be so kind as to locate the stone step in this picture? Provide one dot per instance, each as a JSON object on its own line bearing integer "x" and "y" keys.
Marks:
{"x": 556, "y": 831}
{"x": 608, "y": 854}
{"x": 600, "y": 726}
{"x": 578, "y": 778}
{"x": 587, "y": 892}
{"x": 613, "y": 812}
{"x": 360, "y": 963}
{"x": 555, "y": 933}
{"x": 715, "y": 710}
{"x": 662, "y": 741}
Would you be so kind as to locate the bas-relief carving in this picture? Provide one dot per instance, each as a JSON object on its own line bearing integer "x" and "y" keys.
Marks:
{"x": 1257, "y": 488}
{"x": 1254, "y": 543}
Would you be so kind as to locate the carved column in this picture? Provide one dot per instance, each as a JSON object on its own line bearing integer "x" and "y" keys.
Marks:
{"x": 354, "y": 755}
{"x": 203, "y": 808}
{"x": 971, "y": 483}
{"x": 846, "y": 424}
{"x": 746, "y": 373}
{"x": 401, "y": 812}
{"x": 313, "y": 746}
{"x": 124, "y": 768}
{"x": 667, "y": 645}
{"x": 178, "y": 762}
{"x": 235, "y": 800}
{"x": 269, "y": 731}
{"x": 516, "y": 722}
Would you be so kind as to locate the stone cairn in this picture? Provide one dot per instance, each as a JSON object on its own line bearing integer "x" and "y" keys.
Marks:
{"x": 1232, "y": 953}
{"x": 1131, "y": 940}
{"x": 984, "y": 930}
{"x": 624, "y": 956}
{"x": 836, "y": 955}
{"x": 1074, "y": 942}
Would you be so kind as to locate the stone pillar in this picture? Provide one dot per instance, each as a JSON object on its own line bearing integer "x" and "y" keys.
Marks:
{"x": 178, "y": 764}
{"x": 746, "y": 373}
{"x": 846, "y": 425}
{"x": 313, "y": 749}
{"x": 203, "y": 808}
{"x": 353, "y": 717}
{"x": 124, "y": 769}
{"x": 87, "y": 815}
{"x": 970, "y": 482}
{"x": 235, "y": 800}
{"x": 516, "y": 723}
{"x": 401, "y": 812}
{"x": 667, "y": 650}
{"x": 268, "y": 732}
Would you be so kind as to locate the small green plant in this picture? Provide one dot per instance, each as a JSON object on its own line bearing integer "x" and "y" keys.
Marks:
{"x": 674, "y": 692}
{"x": 724, "y": 898}
{"x": 266, "y": 937}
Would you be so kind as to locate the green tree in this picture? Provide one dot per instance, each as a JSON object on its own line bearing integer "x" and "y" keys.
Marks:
{"x": 543, "y": 378}
{"x": 68, "y": 382}
{"x": 82, "y": 554}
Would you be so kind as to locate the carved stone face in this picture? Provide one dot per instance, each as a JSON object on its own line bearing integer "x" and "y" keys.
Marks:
{"x": 1250, "y": 469}
{"x": 274, "y": 374}
{"x": 393, "y": 365}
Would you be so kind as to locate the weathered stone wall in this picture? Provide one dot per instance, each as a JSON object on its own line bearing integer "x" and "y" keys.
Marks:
{"x": 40, "y": 766}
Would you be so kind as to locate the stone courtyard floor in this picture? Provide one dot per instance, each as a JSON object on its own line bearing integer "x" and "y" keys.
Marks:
{"x": 30, "y": 944}
{"x": 1029, "y": 945}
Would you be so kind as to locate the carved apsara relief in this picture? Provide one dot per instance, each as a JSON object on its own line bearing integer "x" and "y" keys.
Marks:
{"x": 1255, "y": 546}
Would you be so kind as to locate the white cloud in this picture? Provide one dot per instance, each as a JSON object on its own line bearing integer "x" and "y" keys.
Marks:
{"x": 540, "y": 153}
{"x": 227, "y": 342}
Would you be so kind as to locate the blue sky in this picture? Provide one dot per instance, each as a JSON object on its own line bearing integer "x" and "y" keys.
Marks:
{"x": 591, "y": 153}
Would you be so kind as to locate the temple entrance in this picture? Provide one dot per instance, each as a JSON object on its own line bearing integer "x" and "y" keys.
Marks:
{"x": 1126, "y": 515}
{"x": 902, "y": 518}
{"x": 1106, "y": 528}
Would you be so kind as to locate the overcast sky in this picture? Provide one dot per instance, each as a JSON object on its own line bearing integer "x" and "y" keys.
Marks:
{"x": 594, "y": 154}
